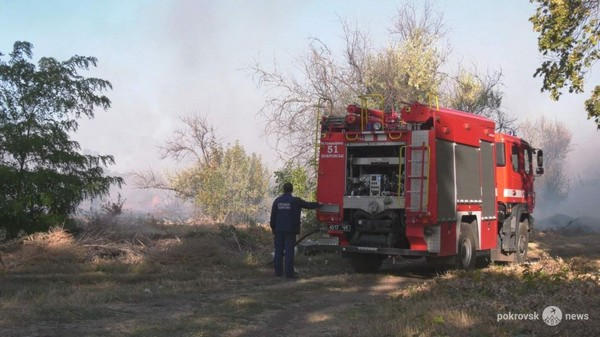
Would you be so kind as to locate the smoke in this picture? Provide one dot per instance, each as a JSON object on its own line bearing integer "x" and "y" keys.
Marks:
{"x": 181, "y": 58}
{"x": 167, "y": 59}
{"x": 583, "y": 193}
{"x": 582, "y": 198}
{"x": 190, "y": 56}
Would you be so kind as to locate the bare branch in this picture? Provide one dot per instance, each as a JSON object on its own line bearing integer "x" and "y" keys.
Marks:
{"x": 411, "y": 24}
{"x": 408, "y": 70}
{"x": 554, "y": 138}
{"x": 480, "y": 94}
{"x": 197, "y": 139}
{"x": 150, "y": 180}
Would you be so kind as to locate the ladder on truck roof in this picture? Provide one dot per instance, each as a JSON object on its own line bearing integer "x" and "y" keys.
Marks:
{"x": 417, "y": 168}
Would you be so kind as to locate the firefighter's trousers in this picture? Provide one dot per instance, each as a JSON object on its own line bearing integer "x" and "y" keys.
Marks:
{"x": 284, "y": 245}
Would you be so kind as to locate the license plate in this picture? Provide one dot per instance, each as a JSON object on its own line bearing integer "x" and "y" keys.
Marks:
{"x": 345, "y": 228}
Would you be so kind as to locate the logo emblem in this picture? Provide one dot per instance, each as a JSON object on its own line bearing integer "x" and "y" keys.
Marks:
{"x": 552, "y": 315}
{"x": 284, "y": 206}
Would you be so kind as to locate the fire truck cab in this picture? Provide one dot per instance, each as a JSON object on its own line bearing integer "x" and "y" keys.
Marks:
{"x": 427, "y": 181}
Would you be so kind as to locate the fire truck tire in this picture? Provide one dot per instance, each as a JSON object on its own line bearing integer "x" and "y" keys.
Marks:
{"x": 522, "y": 242}
{"x": 467, "y": 250}
{"x": 365, "y": 263}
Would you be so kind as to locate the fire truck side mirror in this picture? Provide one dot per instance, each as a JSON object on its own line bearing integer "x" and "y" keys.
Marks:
{"x": 540, "y": 162}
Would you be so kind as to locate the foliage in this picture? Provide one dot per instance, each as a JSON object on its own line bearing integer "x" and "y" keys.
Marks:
{"x": 228, "y": 184}
{"x": 407, "y": 70}
{"x": 231, "y": 188}
{"x": 296, "y": 175}
{"x": 480, "y": 95}
{"x": 554, "y": 138}
{"x": 43, "y": 176}
{"x": 569, "y": 34}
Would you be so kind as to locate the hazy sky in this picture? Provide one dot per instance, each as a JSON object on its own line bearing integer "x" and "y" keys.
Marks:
{"x": 170, "y": 58}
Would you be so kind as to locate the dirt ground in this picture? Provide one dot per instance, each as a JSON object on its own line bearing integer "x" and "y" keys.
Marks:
{"x": 173, "y": 292}
{"x": 257, "y": 305}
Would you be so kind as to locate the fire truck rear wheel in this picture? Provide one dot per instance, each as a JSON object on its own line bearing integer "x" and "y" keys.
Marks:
{"x": 365, "y": 263}
{"x": 522, "y": 242}
{"x": 467, "y": 250}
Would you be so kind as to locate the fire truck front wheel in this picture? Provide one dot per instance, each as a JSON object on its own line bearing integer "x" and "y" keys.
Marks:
{"x": 466, "y": 258}
{"x": 365, "y": 263}
{"x": 522, "y": 242}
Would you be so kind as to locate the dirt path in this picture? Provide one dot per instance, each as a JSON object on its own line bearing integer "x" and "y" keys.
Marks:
{"x": 318, "y": 312}
{"x": 314, "y": 305}
{"x": 322, "y": 310}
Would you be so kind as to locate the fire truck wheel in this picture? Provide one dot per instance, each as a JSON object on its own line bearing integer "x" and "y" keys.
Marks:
{"x": 467, "y": 257}
{"x": 522, "y": 242}
{"x": 365, "y": 263}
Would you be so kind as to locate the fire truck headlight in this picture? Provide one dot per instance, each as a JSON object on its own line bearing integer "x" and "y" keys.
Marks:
{"x": 377, "y": 126}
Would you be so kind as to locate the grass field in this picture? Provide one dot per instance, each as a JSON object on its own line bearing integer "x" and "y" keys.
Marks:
{"x": 188, "y": 280}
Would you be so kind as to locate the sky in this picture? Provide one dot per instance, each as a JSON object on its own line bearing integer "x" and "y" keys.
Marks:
{"x": 172, "y": 58}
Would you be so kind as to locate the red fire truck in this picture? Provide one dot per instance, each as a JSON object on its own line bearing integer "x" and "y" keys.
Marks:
{"x": 426, "y": 182}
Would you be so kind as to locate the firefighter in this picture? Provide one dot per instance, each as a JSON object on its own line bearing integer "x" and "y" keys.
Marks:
{"x": 285, "y": 224}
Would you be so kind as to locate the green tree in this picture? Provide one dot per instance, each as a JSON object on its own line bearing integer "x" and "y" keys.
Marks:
{"x": 296, "y": 175}
{"x": 226, "y": 183}
{"x": 231, "y": 189}
{"x": 408, "y": 69}
{"x": 569, "y": 34}
{"x": 43, "y": 176}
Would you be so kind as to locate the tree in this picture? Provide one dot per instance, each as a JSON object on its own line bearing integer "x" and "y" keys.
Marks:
{"x": 43, "y": 176}
{"x": 296, "y": 175}
{"x": 480, "y": 95}
{"x": 405, "y": 71}
{"x": 554, "y": 138}
{"x": 408, "y": 70}
{"x": 227, "y": 184}
{"x": 569, "y": 34}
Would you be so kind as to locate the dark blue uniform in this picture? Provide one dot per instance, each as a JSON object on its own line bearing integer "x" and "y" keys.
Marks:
{"x": 285, "y": 224}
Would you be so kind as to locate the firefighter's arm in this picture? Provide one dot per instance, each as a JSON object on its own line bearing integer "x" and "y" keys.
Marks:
{"x": 307, "y": 204}
{"x": 273, "y": 215}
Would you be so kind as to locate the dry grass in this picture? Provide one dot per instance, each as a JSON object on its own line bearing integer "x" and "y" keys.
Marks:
{"x": 460, "y": 303}
{"x": 195, "y": 280}
{"x": 53, "y": 247}
{"x": 101, "y": 274}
